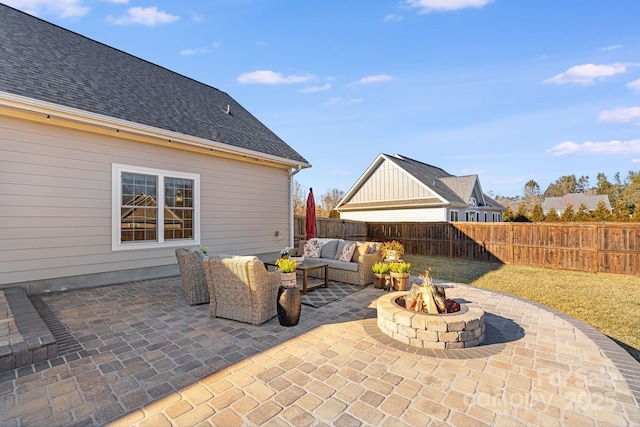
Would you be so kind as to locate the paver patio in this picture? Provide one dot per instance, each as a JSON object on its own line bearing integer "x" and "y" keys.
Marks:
{"x": 144, "y": 357}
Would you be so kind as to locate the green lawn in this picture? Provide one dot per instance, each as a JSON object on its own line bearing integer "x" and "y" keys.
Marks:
{"x": 607, "y": 302}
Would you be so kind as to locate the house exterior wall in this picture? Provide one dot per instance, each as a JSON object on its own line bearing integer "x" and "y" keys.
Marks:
{"x": 389, "y": 182}
{"x": 397, "y": 215}
{"x": 55, "y": 206}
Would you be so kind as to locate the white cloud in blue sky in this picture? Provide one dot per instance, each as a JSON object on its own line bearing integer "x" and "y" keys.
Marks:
{"x": 588, "y": 74}
{"x": 426, "y": 6}
{"x": 147, "y": 16}
{"x": 61, "y": 8}
{"x": 273, "y": 78}
{"x": 593, "y": 148}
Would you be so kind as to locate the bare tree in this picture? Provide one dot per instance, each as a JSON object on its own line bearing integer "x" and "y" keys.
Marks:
{"x": 299, "y": 200}
{"x": 328, "y": 202}
{"x": 532, "y": 196}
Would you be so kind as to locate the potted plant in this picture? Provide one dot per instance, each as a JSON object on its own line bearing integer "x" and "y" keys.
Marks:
{"x": 287, "y": 267}
{"x": 203, "y": 249}
{"x": 392, "y": 250}
{"x": 399, "y": 272}
{"x": 379, "y": 269}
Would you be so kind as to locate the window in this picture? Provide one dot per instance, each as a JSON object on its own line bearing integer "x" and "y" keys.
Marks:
{"x": 453, "y": 216}
{"x": 138, "y": 220}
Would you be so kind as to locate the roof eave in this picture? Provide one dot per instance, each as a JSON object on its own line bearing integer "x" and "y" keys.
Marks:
{"x": 43, "y": 111}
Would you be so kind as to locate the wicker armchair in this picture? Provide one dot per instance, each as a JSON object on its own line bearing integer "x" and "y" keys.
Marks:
{"x": 242, "y": 289}
{"x": 194, "y": 281}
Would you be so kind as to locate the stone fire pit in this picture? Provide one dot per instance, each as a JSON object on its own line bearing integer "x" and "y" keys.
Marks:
{"x": 462, "y": 329}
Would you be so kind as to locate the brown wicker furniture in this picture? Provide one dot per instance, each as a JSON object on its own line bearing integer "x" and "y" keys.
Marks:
{"x": 357, "y": 272}
{"x": 242, "y": 289}
{"x": 194, "y": 281}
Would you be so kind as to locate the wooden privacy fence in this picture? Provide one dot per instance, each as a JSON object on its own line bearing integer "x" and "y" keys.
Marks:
{"x": 331, "y": 228}
{"x": 591, "y": 247}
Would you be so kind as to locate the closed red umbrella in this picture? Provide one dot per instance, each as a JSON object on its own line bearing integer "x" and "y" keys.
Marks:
{"x": 311, "y": 216}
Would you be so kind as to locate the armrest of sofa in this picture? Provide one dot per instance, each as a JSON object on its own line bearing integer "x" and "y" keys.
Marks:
{"x": 368, "y": 260}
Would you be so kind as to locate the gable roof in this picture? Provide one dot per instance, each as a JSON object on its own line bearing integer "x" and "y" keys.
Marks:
{"x": 454, "y": 190}
{"x": 574, "y": 199}
{"x": 48, "y": 63}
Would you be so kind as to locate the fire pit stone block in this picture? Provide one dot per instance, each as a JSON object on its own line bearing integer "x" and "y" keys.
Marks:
{"x": 417, "y": 329}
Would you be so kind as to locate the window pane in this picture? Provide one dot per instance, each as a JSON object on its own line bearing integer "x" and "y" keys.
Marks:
{"x": 178, "y": 215}
{"x": 138, "y": 211}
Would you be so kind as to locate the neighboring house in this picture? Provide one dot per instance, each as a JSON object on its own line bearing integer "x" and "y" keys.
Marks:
{"x": 396, "y": 188}
{"x": 574, "y": 199}
{"x": 94, "y": 140}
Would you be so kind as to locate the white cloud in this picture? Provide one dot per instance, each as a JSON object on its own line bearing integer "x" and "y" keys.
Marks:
{"x": 339, "y": 100}
{"x": 61, "y": 8}
{"x": 621, "y": 115}
{"x": 587, "y": 148}
{"x": 272, "y": 78}
{"x": 635, "y": 160}
{"x": 373, "y": 79}
{"x": 634, "y": 85}
{"x": 117, "y": 1}
{"x": 393, "y": 18}
{"x": 587, "y": 74}
{"x": 148, "y": 16}
{"x": 614, "y": 47}
{"x": 311, "y": 89}
{"x": 426, "y": 6}
{"x": 200, "y": 50}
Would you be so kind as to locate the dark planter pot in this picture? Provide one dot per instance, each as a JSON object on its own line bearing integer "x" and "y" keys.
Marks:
{"x": 289, "y": 306}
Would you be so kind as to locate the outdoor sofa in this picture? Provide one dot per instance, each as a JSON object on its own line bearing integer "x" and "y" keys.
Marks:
{"x": 353, "y": 268}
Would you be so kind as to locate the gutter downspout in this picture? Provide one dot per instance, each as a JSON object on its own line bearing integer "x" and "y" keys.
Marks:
{"x": 292, "y": 172}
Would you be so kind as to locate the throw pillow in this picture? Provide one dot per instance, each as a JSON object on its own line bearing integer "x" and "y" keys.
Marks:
{"x": 312, "y": 249}
{"x": 329, "y": 249}
{"x": 341, "y": 244}
{"x": 347, "y": 252}
{"x": 361, "y": 249}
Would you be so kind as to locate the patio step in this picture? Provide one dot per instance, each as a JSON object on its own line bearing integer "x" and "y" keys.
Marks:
{"x": 25, "y": 339}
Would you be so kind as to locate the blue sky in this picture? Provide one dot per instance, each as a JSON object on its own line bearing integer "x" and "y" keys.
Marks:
{"x": 510, "y": 90}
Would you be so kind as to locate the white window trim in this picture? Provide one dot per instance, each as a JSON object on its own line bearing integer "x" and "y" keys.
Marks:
{"x": 116, "y": 197}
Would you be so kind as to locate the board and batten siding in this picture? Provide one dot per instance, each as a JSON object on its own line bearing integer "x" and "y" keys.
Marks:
{"x": 397, "y": 215}
{"x": 55, "y": 206}
{"x": 389, "y": 182}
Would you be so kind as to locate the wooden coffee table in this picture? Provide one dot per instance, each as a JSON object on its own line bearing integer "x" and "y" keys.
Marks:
{"x": 305, "y": 267}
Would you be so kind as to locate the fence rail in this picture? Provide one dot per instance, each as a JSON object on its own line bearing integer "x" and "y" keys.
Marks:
{"x": 590, "y": 247}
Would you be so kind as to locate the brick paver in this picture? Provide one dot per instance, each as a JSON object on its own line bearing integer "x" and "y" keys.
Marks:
{"x": 150, "y": 360}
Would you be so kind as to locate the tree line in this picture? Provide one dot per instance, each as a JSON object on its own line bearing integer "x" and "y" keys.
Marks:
{"x": 624, "y": 198}
{"x": 325, "y": 203}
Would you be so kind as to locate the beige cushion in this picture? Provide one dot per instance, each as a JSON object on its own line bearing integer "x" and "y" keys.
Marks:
{"x": 361, "y": 249}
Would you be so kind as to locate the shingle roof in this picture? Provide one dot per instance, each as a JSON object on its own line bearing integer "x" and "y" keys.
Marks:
{"x": 455, "y": 189}
{"x": 574, "y": 199}
{"x": 428, "y": 175}
{"x": 45, "y": 62}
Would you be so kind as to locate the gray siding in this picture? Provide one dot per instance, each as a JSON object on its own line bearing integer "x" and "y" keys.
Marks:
{"x": 55, "y": 202}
